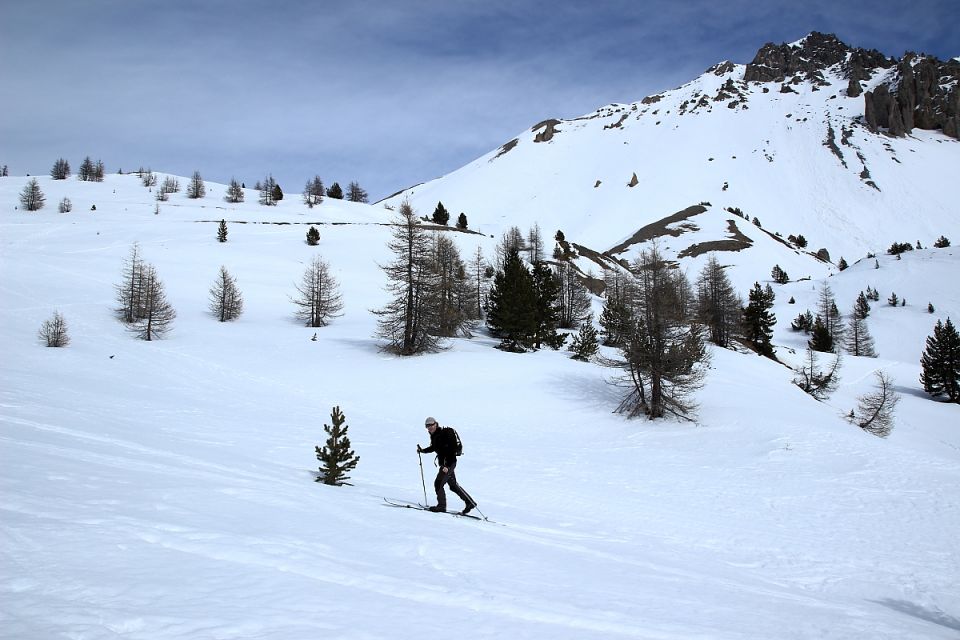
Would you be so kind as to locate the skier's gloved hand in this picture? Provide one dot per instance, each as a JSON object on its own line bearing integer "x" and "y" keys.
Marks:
{"x": 419, "y": 450}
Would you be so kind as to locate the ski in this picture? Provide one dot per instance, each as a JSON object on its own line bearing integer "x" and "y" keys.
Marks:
{"x": 403, "y": 504}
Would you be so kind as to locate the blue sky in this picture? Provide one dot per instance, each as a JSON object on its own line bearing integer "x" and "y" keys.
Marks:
{"x": 387, "y": 93}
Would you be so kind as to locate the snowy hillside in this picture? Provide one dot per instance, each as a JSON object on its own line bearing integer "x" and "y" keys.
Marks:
{"x": 796, "y": 154}
{"x": 164, "y": 489}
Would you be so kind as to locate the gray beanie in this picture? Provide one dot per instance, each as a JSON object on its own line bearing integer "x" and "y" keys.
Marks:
{"x": 429, "y": 421}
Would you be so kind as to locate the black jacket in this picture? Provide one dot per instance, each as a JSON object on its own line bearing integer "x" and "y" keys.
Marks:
{"x": 443, "y": 441}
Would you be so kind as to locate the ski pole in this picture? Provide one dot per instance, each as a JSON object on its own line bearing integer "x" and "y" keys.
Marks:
{"x": 422, "y": 481}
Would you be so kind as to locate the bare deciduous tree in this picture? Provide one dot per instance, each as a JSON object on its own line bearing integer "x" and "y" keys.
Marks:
{"x": 130, "y": 289}
{"x": 157, "y": 315}
{"x": 409, "y": 320}
{"x": 226, "y": 301}
{"x": 196, "y": 189}
{"x": 32, "y": 198}
{"x": 574, "y": 300}
{"x": 814, "y": 380}
{"x": 53, "y": 332}
{"x": 875, "y": 410}
{"x": 318, "y": 300}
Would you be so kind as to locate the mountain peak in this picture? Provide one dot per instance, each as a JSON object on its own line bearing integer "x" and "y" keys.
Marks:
{"x": 811, "y": 55}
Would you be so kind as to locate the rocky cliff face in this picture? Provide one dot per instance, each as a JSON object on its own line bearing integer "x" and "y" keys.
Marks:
{"x": 923, "y": 93}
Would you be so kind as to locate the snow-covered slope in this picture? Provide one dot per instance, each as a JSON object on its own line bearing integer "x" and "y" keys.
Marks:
{"x": 164, "y": 489}
{"x": 795, "y": 154}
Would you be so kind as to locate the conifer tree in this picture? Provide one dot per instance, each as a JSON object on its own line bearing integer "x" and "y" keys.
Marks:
{"x": 32, "y": 198}
{"x": 268, "y": 192}
{"x": 664, "y": 354}
{"x": 512, "y": 306}
{"x": 313, "y": 192}
{"x": 842, "y": 264}
{"x": 226, "y": 301}
{"x": 585, "y": 344}
{"x": 719, "y": 307}
{"x": 858, "y": 340}
{"x": 861, "y": 308}
{"x": 893, "y": 300}
{"x": 453, "y": 292}
{"x": 820, "y": 339}
{"x": 277, "y": 193}
{"x": 573, "y": 299}
{"x": 313, "y": 236}
{"x": 409, "y": 321}
{"x": 759, "y": 320}
{"x": 816, "y": 381}
{"x": 546, "y": 289}
{"x": 335, "y": 191}
{"x": 157, "y": 314}
{"x": 942, "y": 242}
{"x": 196, "y": 189}
{"x": 462, "y": 221}
{"x": 222, "y": 231}
{"x": 940, "y": 362}
{"x": 615, "y": 320}
{"x": 779, "y": 275}
{"x": 875, "y": 410}
{"x": 440, "y": 214}
{"x": 53, "y": 332}
{"x": 319, "y": 299}
{"x": 60, "y": 169}
{"x": 830, "y": 316}
{"x": 356, "y": 193}
{"x": 130, "y": 289}
{"x": 65, "y": 206}
{"x": 87, "y": 170}
{"x": 234, "y": 192}
{"x": 336, "y": 456}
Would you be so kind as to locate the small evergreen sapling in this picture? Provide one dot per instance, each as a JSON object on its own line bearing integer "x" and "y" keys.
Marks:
{"x": 585, "y": 343}
{"x": 336, "y": 456}
{"x": 313, "y": 236}
{"x": 222, "y": 231}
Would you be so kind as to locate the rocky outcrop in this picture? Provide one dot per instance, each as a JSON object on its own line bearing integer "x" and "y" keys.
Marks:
{"x": 925, "y": 94}
{"x": 549, "y": 128}
{"x": 774, "y": 63}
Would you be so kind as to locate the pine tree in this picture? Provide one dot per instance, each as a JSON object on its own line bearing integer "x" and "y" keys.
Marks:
{"x": 512, "y": 306}
{"x": 861, "y": 308}
{"x": 534, "y": 244}
{"x": 53, "y": 332}
{"x": 453, "y": 291}
{"x": 585, "y": 344}
{"x": 32, "y": 198}
{"x": 318, "y": 300}
{"x": 615, "y": 320}
{"x": 940, "y": 362}
{"x": 546, "y": 289}
{"x": 779, "y": 275}
{"x": 842, "y": 264}
{"x": 893, "y": 300}
{"x": 440, "y": 214}
{"x": 759, "y": 320}
{"x": 196, "y": 189}
{"x": 226, "y": 301}
{"x": 875, "y": 410}
{"x": 820, "y": 339}
{"x": 60, "y": 170}
{"x": 234, "y": 192}
{"x": 829, "y": 314}
{"x": 355, "y": 193}
{"x": 335, "y": 191}
{"x": 942, "y": 242}
{"x": 313, "y": 236}
{"x": 277, "y": 193}
{"x": 336, "y": 456}
{"x": 462, "y": 221}
{"x": 222, "y": 231}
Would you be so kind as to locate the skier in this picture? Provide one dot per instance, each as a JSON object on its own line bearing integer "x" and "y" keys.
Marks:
{"x": 443, "y": 441}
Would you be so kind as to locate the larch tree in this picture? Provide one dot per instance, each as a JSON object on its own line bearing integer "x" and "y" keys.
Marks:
{"x": 32, "y": 198}
{"x": 719, "y": 307}
{"x": 234, "y": 193}
{"x": 318, "y": 298}
{"x": 356, "y": 193}
{"x": 226, "y": 301}
{"x": 452, "y": 288}
{"x": 857, "y": 339}
{"x": 815, "y": 380}
{"x": 664, "y": 358}
{"x": 409, "y": 321}
{"x": 573, "y": 298}
{"x": 196, "y": 189}
{"x": 130, "y": 289}
{"x": 157, "y": 315}
{"x": 875, "y": 410}
{"x": 53, "y": 331}
{"x": 313, "y": 192}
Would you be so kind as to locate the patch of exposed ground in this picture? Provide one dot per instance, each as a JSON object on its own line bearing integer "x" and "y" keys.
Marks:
{"x": 736, "y": 242}
{"x": 661, "y": 228}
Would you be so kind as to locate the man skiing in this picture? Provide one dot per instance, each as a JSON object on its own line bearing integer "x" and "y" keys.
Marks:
{"x": 443, "y": 441}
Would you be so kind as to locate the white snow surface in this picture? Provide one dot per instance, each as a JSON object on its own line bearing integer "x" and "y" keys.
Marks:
{"x": 165, "y": 490}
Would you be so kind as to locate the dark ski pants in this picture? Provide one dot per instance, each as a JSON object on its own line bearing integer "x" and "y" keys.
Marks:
{"x": 450, "y": 478}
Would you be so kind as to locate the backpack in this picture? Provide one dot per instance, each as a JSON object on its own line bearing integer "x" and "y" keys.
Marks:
{"x": 456, "y": 437}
